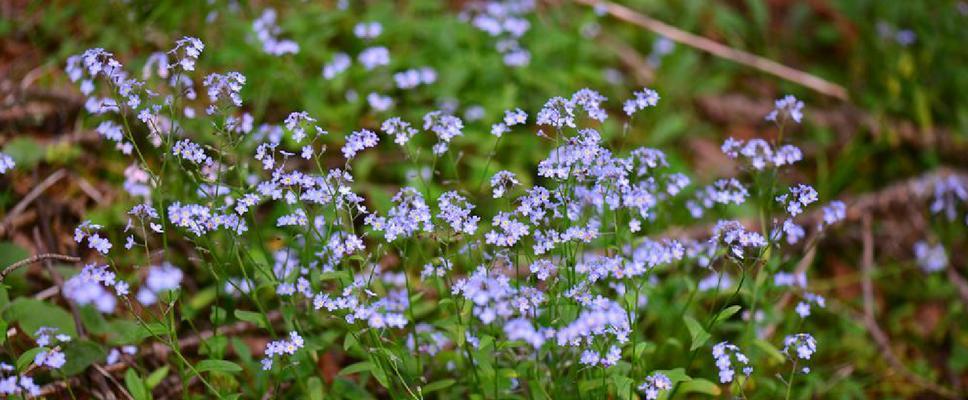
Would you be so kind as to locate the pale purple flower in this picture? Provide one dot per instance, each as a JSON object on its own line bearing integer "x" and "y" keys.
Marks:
{"x": 736, "y": 237}
{"x": 558, "y": 112}
{"x": 803, "y": 344}
{"x": 456, "y": 210}
{"x": 399, "y": 129}
{"x": 501, "y": 182}
{"x": 374, "y": 57}
{"x": 340, "y": 62}
{"x": 228, "y": 85}
{"x": 725, "y": 354}
{"x": 799, "y": 197}
{"x": 930, "y": 258}
{"x": 186, "y": 51}
{"x": 379, "y": 102}
{"x": 368, "y": 30}
{"x": 359, "y": 141}
{"x": 444, "y": 125}
{"x": 642, "y": 99}
{"x": 267, "y": 31}
{"x": 833, "y": 213}
{"x": 654, "y": 385}
{"x": 6, "y": 163}
{"x": 786, "y": 107}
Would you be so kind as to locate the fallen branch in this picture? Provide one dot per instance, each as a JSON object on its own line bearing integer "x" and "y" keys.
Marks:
{"x": 35, "y": 259}
{"x": 720, "y": 50}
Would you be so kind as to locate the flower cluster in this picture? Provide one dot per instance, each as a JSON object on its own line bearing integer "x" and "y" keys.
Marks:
{"x": 374, "y": 57}
{"x": 725, "y": 354}
{"x": 359, "y": 141}
{"x": 280, "y": 348}
{"x": 412, "y": 78}
{"x": 401, "y": 130}
{"x": 643, "y": 99}
{"x": 759, "y": 154}
{"x": 511, "y": 118}
{"x": 456, "y": 210}
{"x": 339, "y": 63}
{"x": 51, "y": 355}
{"x": 504, "y": 20}
{"x": 89, "y": 231}
{"x": 11, "y": 385}
{"x": 786, "y": 108}
{"x": 736, "y": 238}
{"x": 161, "y": 278}
{"x": 797, "y": 199}
{"x": 368, "y": 30}
{"x": 564, "y": 272}
{"x": 803, "y": 344}
{"x": 930, "y": 258}
{"x": 88, "y": 287}
{"x": 221, "y": 86}
{"x": 654, "y": 385}
{"x": 267, "y": 31}
{"x": 199, "y": 219}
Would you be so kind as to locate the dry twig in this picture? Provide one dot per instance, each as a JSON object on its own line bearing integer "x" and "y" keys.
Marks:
{"x": 34, "y": 259}
{"x": 720, "y": 50}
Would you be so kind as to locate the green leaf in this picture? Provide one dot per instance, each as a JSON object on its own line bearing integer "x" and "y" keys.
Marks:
{"x": 700, "y": 385}
{"x": 698, "y": 335}
{"x": 201, "y": 299}
{"x": 770, "y": 350}
{"x": 218, "y": 365}
{"x": 251, "y": 317}
{"x": 33, "y": 314}
{"x": 27, "y": 357}
{"x": 26, "y": 151}
{"x": 315, "y": 388}
{"x": 624, "y": 386}
{"x": 156, "y": 377}
{"x": 675, "y": 375}
{"x": 80, "y": 355}
{"x": 349, "y": 342}
{"x": 136, "y": 386}
{"x": 11, "y": 253}
{"x": 728, "y": 312}
{"x": 643, "y": 348}
{"x": 438, "y": 385}
{"x": 218, "y": 315}
{"x": 362, "y": 366}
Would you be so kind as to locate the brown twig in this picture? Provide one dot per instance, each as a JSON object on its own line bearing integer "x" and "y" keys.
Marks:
{"x": 881, "y": 338}
{"x": 35, "y": 259}
{"x": 720, "y": 50}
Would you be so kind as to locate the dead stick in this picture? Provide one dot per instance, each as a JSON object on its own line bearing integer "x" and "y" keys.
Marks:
{"x": 720, "y": 50}
{"x": 34, "y": 259}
